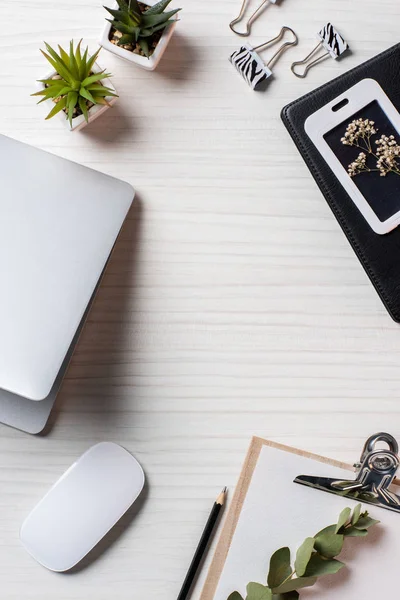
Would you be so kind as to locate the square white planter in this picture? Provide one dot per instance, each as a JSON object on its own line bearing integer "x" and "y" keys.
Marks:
{"x": 93, "y": 113}
{"x": 141, "y": 61}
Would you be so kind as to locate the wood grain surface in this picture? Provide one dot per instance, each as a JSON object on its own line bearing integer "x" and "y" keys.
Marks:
{"x": 233, "y": 305}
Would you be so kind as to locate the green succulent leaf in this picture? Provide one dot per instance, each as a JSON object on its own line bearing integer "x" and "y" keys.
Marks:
{"x": 159, "y": 7}
{"x": 91, "y": 61}
{"x": 59, "y": 106}
{"x": 318, "y": 566}
{"x": 59, "y": 68}
{"x": 63, "y": 55}
{"x": 83, "y": 66}
{"x": 94, "y": 78}
{"x": 100, "y": 90}
{"x": 124, "y": 28}
{"x": 356, "y": 514}
{"x": 153, "y": 20}
{"x": 256, "y": 591}
{"x": 288, "y": 596}
{"x": 73, "y": 65}
{"x": 83, "y": 107}
{"x": 279, "y": 567}
{"x": 127, "y": 39}
{"x": 52, "y": 82}
{"x": 78, "y": 56}
{"x": 135, "y": 18}
{"x": 50, "y": 92}
{"x": 64, "y": 91}
{"x": 104, "y": 101}
{"x": 143, "y": 43}
{"x": 295, "y": 584}
{"x": 72, "y": 99}
{"x": 343, "y": 518}
{"x": 134, "y": 6}
{"x": 87, "y": 95}
{"x": 46, "y": 98}
{"x": 127, "y": 13}
{"x": 53, "y": 53}
{"x": 62, "y": 66}
{"x": 123, "y": 5}
{"x": 150, "y": 32}
{"x": 119, "y": 15}
{"x": 303, "y": 556}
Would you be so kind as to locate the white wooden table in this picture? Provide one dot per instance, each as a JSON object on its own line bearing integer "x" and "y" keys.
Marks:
{"x": 233, "y": 304}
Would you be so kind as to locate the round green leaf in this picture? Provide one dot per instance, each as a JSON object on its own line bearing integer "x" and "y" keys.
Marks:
{"x": 329, "y": 529}
{"x": 318, "y": 566}
{"x": 343, "y": 518}
{"x": 256, "y": 591}
{"x": 329, "y": 544}
{"x": 356, "y": 514}
{"x": 303, "y": 556}
{"x": 279, "y": 567}
{"x": 235, "y": 596}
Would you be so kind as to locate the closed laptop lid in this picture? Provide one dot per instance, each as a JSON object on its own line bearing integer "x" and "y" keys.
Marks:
{"x": 58, "y": 224}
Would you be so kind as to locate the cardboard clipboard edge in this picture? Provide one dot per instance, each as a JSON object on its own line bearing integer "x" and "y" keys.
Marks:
{"x": 225, "y": 539}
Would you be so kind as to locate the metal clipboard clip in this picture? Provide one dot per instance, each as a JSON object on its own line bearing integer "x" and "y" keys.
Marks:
{"x": 375, "y": 473}
{"x": 331, "y": 41}
{"x": 251, "y": 66}
{"x": 251, "y": 20}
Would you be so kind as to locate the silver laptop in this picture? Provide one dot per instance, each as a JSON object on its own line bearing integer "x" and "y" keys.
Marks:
{"x": 58, "y": 224}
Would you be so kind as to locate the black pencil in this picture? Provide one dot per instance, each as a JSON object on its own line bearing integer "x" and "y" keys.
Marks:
{"x": 203, "y": 545}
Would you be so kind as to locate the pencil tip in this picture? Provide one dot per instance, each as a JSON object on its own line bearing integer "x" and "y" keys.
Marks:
{"x": 221, "y": 497}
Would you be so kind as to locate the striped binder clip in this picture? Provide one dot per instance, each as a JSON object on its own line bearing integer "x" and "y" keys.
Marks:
{"x": 376, "y": 471}
{"x": 250, "y": 65}
{"x": 333, "y": 43}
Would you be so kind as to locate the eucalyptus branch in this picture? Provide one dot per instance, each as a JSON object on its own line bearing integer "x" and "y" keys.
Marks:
{"x": 315, "y": 558}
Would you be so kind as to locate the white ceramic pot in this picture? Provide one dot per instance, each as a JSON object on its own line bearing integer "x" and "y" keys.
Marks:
{"x": 93, "y": 113}
{"x": 146, "y": 63}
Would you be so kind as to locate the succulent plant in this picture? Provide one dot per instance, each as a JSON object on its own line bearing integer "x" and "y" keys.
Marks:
{"x": 137, "y": 26}
{"x": 75, "y": 85}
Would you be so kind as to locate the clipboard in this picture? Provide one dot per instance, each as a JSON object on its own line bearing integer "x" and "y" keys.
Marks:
{"x": 230, "y": 526}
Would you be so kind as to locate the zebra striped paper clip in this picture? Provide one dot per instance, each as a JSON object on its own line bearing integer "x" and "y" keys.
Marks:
{"x": 334, "y": 44}
{"x": 250, "y": 65}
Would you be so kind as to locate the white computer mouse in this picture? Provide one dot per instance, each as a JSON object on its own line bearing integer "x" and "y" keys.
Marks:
{"x": 82, "y": 506}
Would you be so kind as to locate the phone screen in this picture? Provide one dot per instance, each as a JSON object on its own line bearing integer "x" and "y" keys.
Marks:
{"x": 374, "y": 168}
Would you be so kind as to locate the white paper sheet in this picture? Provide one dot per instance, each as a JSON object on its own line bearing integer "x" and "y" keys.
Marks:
{"x": 278, "y": 512}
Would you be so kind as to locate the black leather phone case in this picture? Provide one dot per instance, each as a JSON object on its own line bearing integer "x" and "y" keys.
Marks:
{"x": 378, "y": 254}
